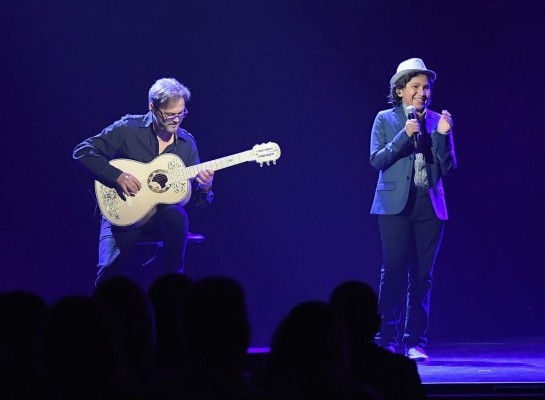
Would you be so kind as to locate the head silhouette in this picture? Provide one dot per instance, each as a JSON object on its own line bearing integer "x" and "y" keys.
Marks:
{"x": 310, "y": 337}
{"x": 216, "y": 322}
{"x": 133, "y": 311}
{"x": 357, "y": 304}
{"x": 167, "y": 295}
{"x": 81, "y": 347}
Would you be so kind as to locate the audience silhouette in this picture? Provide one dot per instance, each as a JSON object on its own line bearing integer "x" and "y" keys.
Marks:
{"x": 81, "y": 351}
{"x": 133, "y": 312}
{"x": 188, "y": 340}
{"x": 22, "y": 374}
{"x": 167, "y": 295}
{"x": 394, "y": 376}
{"x": 217, "y": 335}
{"x": 308, "y": 357}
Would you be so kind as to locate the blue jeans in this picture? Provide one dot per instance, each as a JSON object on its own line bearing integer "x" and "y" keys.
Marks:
{"x": 410, "y": 243}
{"x": 116, "y": 246}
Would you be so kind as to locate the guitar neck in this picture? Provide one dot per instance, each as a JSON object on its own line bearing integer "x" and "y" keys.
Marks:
{"x": 220, "y": 163}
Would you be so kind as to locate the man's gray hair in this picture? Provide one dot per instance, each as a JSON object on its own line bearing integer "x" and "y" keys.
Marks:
{"x": 165, "y": 89}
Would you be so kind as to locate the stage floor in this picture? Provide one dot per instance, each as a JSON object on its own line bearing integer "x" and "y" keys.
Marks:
{"x": 511, "y": 367}
{"x": 500, "y": 369}
{"x": 506, "y": 361}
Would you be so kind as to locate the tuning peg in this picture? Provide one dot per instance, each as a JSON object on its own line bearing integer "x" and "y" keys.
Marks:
{"x": 274, "y": 162}
{"x": 268, "y": 163}
{"x": 260, "y": 164}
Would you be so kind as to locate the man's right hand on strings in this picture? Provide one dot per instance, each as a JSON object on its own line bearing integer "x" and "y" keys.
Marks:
{"x": 128, "y": 184}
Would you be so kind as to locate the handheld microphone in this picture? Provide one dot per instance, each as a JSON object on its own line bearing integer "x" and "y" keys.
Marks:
{"x": 411, "y": 112}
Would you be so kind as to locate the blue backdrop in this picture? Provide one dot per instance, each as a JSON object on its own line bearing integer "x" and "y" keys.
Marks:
{"x": 311, "y": 76}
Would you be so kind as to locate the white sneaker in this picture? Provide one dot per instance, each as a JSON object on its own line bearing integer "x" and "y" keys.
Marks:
{"x": 417, "y": 354}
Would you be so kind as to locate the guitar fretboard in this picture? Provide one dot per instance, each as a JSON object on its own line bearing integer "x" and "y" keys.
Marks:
{"x": 186, "y": 173}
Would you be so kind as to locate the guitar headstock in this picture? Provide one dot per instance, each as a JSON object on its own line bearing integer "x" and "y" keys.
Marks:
{"x": 265, "y": 153}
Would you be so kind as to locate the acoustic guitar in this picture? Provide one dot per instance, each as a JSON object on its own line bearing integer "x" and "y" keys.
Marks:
{"x": 165, "y": 180}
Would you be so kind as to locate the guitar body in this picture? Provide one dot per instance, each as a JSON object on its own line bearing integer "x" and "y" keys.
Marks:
{"x": 162, "y": 183}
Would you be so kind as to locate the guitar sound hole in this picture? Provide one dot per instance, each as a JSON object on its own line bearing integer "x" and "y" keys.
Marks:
{"x": 160, "y": 179}
{"x": 157, "y": 182}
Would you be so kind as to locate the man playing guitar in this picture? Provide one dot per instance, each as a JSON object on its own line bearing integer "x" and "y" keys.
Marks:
{"x": 142, "y": 138}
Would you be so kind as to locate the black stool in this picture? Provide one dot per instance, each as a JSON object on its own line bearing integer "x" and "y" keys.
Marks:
{"x": 158, "y": 244}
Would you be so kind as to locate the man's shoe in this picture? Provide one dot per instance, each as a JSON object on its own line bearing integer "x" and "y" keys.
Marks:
{"x": 417, "y": 354}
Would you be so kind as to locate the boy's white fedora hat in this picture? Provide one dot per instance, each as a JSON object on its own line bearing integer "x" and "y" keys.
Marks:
{"x": 412, "y": 65}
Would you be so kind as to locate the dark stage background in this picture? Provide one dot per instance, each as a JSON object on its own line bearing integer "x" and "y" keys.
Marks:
{"x": 311, "y": 76}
